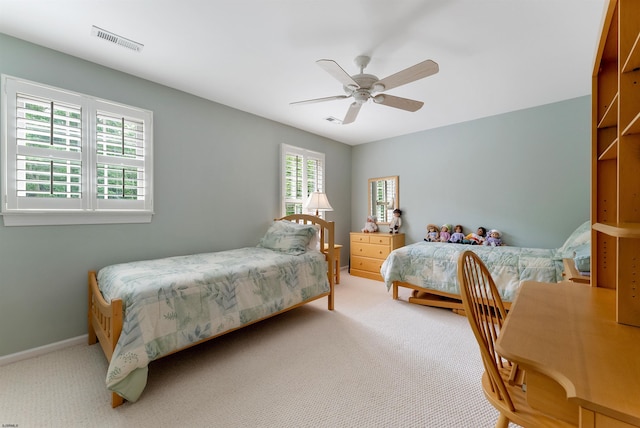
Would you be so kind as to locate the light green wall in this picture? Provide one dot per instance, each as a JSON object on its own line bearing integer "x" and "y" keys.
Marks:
{"x": 228, "y": 200}
{"x": 536, "y": 188}
{"x": 526, "y": 173}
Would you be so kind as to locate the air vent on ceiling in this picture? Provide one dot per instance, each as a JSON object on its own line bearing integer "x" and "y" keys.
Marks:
{"x": 333, "y": 120}
{"x": 115, "y": 39}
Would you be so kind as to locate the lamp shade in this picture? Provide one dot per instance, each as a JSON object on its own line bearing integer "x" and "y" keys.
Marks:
{"x": 318, "y": 201}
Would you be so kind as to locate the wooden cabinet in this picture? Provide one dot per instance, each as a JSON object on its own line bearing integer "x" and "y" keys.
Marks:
{"x": 369, "y": 250}
{"x": 615, "y": 190}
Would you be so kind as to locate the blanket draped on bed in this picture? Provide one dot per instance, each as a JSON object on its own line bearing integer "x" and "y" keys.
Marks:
{"x": 434, "y": 266}
{"x": 174, "y": 302}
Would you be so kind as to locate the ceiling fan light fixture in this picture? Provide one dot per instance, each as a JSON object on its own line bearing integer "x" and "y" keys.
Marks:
{"x": 378, "y": 98}
{"x": 361, "y": 96}
{"x": 377, "y": 87}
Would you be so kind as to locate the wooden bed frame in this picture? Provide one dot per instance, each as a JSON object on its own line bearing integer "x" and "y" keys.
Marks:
{"x": 105, "y": 318}
{"x": 435, "y": 298}
{"x": 441, "y": 299}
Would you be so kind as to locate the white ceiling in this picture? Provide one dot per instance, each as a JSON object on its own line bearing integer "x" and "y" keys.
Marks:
{"x": 258, "y": 56}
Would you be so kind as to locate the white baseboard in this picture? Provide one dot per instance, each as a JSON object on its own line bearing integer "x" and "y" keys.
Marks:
{"x": 41, "y": 350}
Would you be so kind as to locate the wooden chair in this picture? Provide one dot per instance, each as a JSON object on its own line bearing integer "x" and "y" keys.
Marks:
{"x": 486, "y": 314}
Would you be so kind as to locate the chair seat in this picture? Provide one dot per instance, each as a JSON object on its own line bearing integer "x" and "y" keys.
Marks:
{"x": 524, "y": 414}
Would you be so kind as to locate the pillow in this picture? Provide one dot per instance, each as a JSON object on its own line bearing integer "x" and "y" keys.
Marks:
{"x": 288, "y": 237}
{"x": 314, "y": 242}
{"x": 580, "y": 236}
{"x": 582, "y": 258}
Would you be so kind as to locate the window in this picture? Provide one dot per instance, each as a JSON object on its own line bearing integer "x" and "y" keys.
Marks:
{"x": 69, "y": 158}
{"x": 302, "y": 173}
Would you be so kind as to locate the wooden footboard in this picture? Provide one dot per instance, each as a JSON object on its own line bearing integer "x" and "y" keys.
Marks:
{"x": 105, "y": 324}
{"x": 435, "y": 298}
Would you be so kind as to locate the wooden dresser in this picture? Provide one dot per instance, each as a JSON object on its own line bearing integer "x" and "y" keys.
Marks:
{"x": 369, "y": 250}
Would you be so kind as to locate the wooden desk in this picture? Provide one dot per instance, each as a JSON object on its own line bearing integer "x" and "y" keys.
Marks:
{"x": 569, "y": 334}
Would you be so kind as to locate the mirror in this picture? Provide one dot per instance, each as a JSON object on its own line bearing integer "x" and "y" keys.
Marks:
{"x": 383, "y": 198}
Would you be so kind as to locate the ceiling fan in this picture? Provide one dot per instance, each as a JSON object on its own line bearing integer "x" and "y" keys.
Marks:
{"x": 362, "y": 87}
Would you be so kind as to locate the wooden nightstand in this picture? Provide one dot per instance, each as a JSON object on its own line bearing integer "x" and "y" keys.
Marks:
{"x": 336, "y": 256}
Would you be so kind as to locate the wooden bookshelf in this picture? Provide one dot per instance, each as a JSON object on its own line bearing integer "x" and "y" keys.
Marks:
{"x": 615, "y": 207}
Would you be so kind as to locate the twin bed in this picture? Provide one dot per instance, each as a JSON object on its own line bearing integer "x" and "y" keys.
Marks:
{"x": 430, "y": 268}
{"x": 142, "y": 311}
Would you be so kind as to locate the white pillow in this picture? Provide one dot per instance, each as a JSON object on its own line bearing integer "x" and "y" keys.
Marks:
{"x": 288, "y": 237}
{"x": 314, "y": 242}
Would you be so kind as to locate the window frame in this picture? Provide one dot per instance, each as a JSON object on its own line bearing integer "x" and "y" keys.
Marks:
{"x": 89, "y": 208}
{"x": 286, "y": 149}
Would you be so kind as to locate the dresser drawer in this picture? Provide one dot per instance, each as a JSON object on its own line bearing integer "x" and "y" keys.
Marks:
{"x": 363, "y": 237}
{"x": 370, "y": 250}
{"x": 369, "y": 265}
{"x": 380, "y": 239}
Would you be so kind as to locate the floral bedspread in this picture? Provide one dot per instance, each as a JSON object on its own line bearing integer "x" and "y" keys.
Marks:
{"x": 434, "y": 265}
{"x": 173, "y": 302}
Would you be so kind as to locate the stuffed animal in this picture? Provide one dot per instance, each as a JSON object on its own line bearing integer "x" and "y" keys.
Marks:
{"x": 476, "y": 238}
{"x": 494, "y": 238}
{"x": 396, "y": 221}
{"x": 445, "y": 233}
{"x": 457, "y": 237}
{"x": 432, "y": 233}
{"x": 370, "y": 226}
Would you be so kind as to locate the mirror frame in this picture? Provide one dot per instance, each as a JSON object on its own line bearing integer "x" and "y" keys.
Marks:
{"x": 392, "y": 196}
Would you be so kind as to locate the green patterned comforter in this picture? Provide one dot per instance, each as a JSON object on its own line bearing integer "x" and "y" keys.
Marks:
{"x": 174, "y": 302}
{"x": 434, "y": 266}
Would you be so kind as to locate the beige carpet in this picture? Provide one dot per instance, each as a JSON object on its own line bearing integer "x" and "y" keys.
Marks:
{"x": 373, "y": 362}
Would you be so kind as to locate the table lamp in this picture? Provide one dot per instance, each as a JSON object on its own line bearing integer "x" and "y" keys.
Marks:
{"x": 318, "y": 201}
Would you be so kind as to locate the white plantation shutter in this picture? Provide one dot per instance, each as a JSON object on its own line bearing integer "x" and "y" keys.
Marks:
{"x": 69, "y": 158}
{"x": 121, "y": 160}
{"x": 46, "y": 155}
{"x": 302, "y": 173}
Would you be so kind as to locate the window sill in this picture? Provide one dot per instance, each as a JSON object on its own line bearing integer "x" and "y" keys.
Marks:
{"x": 65, "y": 218}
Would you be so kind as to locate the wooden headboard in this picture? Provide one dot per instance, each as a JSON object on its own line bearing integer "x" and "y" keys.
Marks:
{"x": 327, "y": 232}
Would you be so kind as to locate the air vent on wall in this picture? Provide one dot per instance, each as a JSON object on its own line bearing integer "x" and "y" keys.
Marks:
{"x": 114, "y": 38}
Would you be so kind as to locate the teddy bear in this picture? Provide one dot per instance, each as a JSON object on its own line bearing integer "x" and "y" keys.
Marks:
{"x": 370, "y": 226}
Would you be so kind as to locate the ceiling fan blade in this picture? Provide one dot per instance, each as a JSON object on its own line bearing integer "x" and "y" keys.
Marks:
{"x": 408, "y": 75}
{"x": 352, "y": 113}
{"x": 319, "y": 100}
{"x": 398, "y": 102}
{"x": 337, "y": 72}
